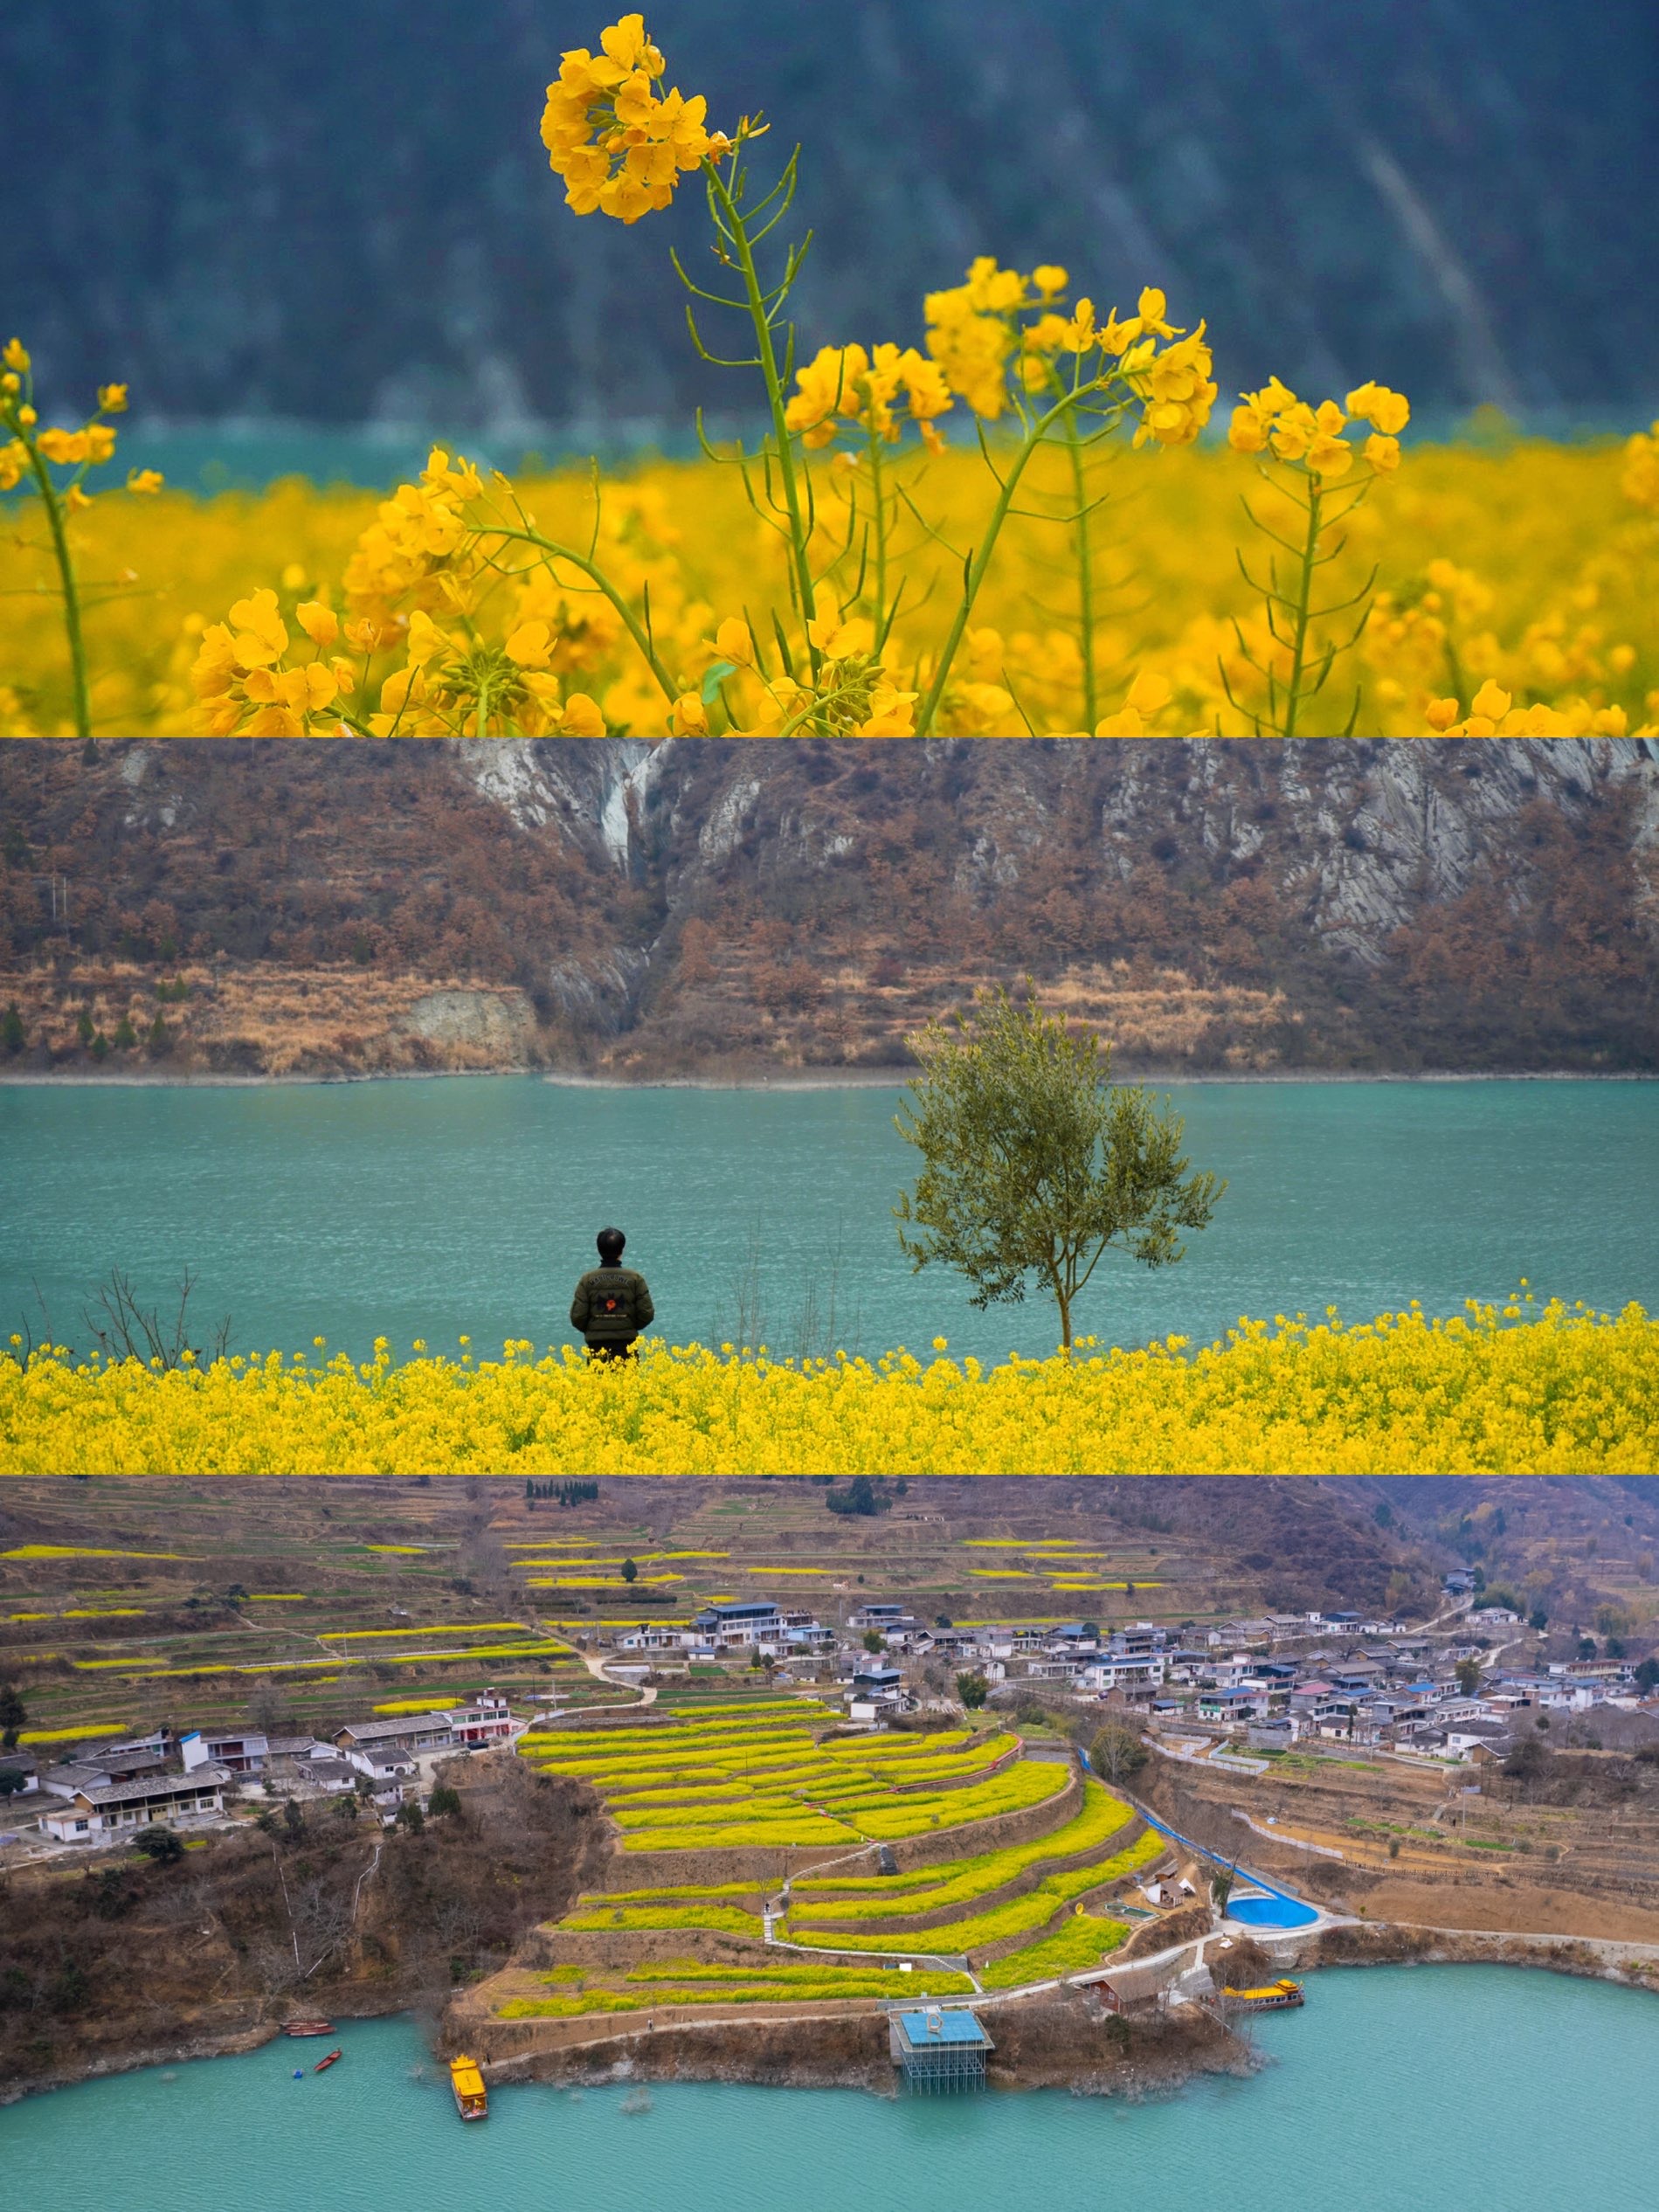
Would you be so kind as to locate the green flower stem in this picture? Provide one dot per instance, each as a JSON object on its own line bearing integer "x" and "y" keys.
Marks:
{"x": 767, "y": 352}
{"x": 1304, "y": 601}
{"x": 978, "y": 567}
{"x": 636, "y": 629}
{"x": 1085, "y": 577}
{"x": 71, "y": 589}
{"x": 880, "y": 490}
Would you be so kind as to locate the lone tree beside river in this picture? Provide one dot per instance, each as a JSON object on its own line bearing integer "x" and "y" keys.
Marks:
{"x": 1034, "y": 1164}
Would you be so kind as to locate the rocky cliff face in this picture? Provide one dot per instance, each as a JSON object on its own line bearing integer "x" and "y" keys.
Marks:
{"x": 342, "y": 212}
{"x": 701, "y": 906}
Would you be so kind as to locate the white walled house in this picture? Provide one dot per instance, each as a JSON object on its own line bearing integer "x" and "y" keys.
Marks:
{"x": 94, "y": 1808}
{"x": 242, "y": 1751}
{"x": 487, "y": 1720}
{"x": 410, "y": 1732}
{"x": 383, "y": 1763}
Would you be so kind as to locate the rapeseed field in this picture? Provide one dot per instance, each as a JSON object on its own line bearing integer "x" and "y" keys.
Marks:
{"x": 1042, "y": 519}
{"x": 1517, "y": 1389}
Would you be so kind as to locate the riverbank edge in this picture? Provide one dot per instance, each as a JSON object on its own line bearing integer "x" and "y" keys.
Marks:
{"x": 641, "y": 2057}
{"x": 849, "y": 1079}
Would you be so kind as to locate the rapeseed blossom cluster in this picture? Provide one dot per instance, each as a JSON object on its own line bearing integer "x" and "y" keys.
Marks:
{"x": 1641, "y": 478}
{"x": 842, "y": 578}
{"x": 999, "y": 333}
{"x": 1517, "y": 1389}
{"x": 619, "y": 144}
{"x": 878, "y": 391}
{"x": 1275, "y": 421}
{"x": 1526, "y": 568}
{"x": 29, "y": 456}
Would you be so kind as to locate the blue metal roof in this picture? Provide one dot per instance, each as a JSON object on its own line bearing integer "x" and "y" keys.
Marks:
{"x": 924, "y": 2027}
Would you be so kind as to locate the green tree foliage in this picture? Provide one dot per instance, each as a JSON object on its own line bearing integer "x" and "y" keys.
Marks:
{"x": 1117, "y": 1752}
{"x": 873, "y": 1640}
{"x": 1468, "y": 1675}
{"x": 1529, "y": 1761}
{"x": 11, "y": 1036}
{"x": 13, "y": 1714}
{"x": 973, "y": 1689}
{"x": 860, "y": 1497}
{"x": 1034, "y": 1165}
{"x": 445, "y": 1803}
{"x": 159, "y": 1845}
{"x": 630, "y": 1573}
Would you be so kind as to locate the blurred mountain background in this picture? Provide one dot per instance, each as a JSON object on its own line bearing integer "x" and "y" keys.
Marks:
{"x": 338, "y": 212}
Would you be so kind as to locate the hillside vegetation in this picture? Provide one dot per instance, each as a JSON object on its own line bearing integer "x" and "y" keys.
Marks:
{"x": 292, "y": 909}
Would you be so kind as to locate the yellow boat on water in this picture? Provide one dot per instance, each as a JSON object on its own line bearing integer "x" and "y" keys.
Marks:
{"x": 472, "y": 2099}
{"x": 1273, "y": 1998}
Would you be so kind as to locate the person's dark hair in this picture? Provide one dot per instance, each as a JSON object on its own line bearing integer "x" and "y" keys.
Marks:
{"x": 612, "y": 1242}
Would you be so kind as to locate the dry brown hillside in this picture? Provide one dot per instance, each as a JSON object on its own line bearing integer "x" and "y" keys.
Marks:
{"x": 720, "y": 908}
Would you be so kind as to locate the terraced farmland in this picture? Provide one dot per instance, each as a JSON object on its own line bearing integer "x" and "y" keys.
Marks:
{"x": 769, "y": 1825}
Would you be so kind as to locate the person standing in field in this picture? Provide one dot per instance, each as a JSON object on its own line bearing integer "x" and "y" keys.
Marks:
{"x": 612, "y": 1303}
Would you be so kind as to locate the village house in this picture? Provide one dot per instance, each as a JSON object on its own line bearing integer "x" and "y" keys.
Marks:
{"x": 409, "y": 1732}
{"x": 97, "y": 1804}
{"x": 487, "y": 1720}
{"x": 1119, "y": 1674}
{"x": 759, "y": 1625}
{"x": 741, "y": 1625}
{"x": 242, "y": 1751}
{"x": 325, "y": 1773}
{"x": 655, "y": 1635}
{"x": 874, "y": 1690}
{"x": 385, "y": 1765}
{"x": 1233, "y": 1707}
{"x": 1313, "y": 1701}
{"x": 24, "y": 1768}
{"x": 283, "y": 1753}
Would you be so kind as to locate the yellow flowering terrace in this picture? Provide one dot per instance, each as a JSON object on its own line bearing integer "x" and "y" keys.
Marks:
{"x": 1018, "y": 519}
{"x": 1510, "y": 1390}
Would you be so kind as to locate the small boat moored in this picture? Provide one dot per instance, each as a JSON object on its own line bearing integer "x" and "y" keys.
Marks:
{"x": 472, "y": 2099}
{"x": 1274, "y": 1996}
{"x": 323, "y": 2065}
{"x": 309, "y": 2028}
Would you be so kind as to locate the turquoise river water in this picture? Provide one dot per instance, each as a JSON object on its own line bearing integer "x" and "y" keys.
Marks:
{"x": 433, "y": 1208}
{"x": 1396, "y": 2089}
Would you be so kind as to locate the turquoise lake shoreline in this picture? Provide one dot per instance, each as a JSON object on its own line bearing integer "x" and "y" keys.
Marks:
{"x": 1392, "y": 2086}
{"x": 434, "y": 1207}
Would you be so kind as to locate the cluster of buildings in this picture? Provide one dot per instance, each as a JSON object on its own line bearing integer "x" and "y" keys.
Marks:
{"x": 112, "y": 1790}
{"x": 744, "y": 1628}
{"x": 1270, "y": 1681}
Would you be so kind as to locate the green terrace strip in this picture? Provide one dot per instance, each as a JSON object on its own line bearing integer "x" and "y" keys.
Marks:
{"x": 721, "y": 1919}
{"x": 1019, "y": 1916}
{"x": 1075, "y": 1948}
{"x": 679, "y": 1782}
{"x": 690, "y": 1981}
{"x": 825, "y": 1991}
{"x": 598, "y": 1898}
{"x": 1098, "y": 1821}
{"x": 931, "y": 1888}
{"x": 732, "y": 1835}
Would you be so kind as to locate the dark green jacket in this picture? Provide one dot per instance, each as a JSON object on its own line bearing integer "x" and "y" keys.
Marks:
{"x": 612, "y": 1305}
